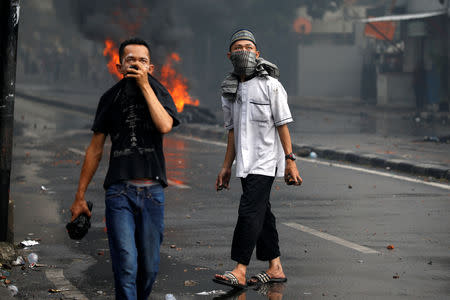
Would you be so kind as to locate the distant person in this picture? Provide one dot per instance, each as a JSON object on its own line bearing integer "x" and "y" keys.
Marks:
{"x": 256, "y": 114}
{"x": 420, "y": 86}
{"x": 135, "y": 113}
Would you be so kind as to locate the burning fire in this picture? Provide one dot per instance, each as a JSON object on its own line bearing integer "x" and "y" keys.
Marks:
{"x": 174, "y": 82}
{"x": 113, "y": 52}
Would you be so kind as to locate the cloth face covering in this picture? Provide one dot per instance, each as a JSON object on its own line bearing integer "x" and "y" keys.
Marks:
{"x": 244, "y": 62}
{"x": 231, "y": 82}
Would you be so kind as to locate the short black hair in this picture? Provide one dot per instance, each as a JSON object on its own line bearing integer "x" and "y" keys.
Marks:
{"x": 133, "y": 41}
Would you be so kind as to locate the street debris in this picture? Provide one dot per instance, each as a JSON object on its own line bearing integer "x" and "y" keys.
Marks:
{"x": 32, "y": 258}
{"x": 350, "y": 186}
{"x": 190, "y": 283}
{"x": 431, "y": 139}
{"x": 54, "y": 291}
{"x": 430, "y": 262}
{"x": 360, "y": 261}
{"x": 212, "y": 293}
{"x": 46, "y": 190}
{"x": 201, "y": 269}
{"x": 13, "y": 290}
{"x": 437, "y": 139}
{"x": 29, "y": 243}
{"x": 396, "y": 276}
{"x": 19, "y": 261}
{"x": 313, "y": 154}
{"x": 390, "y": 247}
{"x": 173, "y": 246}
{"x": 170, "y": 297}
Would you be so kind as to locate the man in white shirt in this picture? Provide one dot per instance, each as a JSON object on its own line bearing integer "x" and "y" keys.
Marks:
{"x": 256, "y": 114}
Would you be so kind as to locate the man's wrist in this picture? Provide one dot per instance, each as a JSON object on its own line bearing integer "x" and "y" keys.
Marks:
{"x": 79, "y": 195}
{"x": 291, "y": 156}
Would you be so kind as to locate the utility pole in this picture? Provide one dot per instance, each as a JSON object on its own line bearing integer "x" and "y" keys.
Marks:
{"x": 9, "y": 24}
{"x": 445, "y": 107}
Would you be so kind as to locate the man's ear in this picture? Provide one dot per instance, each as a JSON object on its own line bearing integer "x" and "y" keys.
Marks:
{"x": 228, "y": 54}
{"x": 257, "y": 53}
{"x": 119, "y": 68}
{"x": 151, "y": 68}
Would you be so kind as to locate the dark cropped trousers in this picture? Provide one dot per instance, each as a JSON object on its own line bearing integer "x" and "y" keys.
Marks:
{"x": 256, "y": 222}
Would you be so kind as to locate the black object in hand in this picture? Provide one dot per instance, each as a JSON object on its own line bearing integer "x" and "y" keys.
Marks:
{"x": 221, "y": 187}
{"x": 78, "y": 228}
{"x": 290, "y": 180}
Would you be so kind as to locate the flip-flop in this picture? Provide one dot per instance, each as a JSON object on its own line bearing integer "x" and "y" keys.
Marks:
{"x": 230, "y": 281}
{"x": 262, "y": 277}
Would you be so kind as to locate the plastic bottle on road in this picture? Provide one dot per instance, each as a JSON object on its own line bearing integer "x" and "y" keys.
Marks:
{"x": 32, "y": 258}
{"x": 170, "y": 297}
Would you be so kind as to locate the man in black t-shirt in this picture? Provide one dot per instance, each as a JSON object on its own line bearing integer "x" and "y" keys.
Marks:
{"x": 135, "y": 112}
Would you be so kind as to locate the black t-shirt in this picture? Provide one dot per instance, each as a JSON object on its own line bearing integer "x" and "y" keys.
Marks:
{"x": 137, "y": 146}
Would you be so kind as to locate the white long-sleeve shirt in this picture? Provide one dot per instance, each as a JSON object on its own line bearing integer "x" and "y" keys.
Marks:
{"x": 261, "y": 105}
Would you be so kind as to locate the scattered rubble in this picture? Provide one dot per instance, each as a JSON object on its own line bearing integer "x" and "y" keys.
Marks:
{"x": 190, "y": 283}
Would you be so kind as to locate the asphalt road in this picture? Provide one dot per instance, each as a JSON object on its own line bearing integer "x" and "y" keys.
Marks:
{"x": 334, "y": 230}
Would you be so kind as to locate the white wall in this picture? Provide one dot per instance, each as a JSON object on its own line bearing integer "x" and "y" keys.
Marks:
{"x": 327, "y": 70}
{"x": 418, "y": 6}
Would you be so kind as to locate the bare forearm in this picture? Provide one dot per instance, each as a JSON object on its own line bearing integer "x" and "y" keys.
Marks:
{"x": 158, "y": 113}
{"x": 90, "y": 165}
{"x": 285, "y": 138}
{"x": 231, "y": 151}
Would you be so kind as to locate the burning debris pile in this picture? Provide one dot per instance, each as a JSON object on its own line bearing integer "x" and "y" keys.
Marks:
{"x": 196, "y": 114}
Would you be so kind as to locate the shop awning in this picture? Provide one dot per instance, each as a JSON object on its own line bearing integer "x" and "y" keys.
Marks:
{"x": 404, "y": 17}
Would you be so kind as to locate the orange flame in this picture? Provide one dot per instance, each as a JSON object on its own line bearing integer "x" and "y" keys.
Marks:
{"x": 176, "y": 84}
{"x": 112, "y": 51}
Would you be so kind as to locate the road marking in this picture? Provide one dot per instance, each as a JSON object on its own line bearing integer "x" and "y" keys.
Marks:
{"x": 56, "y": 276}
{"x": 332, "y": 164}
{"x": 76, "y": 151}
{"x": 332, "y": 238}
{"x": 174, "y": 182}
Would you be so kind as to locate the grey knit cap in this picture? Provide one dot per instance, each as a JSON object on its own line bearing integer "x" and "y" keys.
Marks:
{"x": 242, "y": 34}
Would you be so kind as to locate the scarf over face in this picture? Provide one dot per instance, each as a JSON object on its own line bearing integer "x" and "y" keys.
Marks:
{"x": 263, "y": 68}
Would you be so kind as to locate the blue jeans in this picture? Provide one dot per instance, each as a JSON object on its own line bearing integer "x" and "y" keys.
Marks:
{"x": 135, "y": 225}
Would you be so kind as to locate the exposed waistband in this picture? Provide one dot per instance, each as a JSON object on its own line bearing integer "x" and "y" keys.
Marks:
{"x": 142, "y": 182}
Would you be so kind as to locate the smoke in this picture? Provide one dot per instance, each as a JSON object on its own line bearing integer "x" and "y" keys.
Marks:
{"x": 197, "y": 29}
{"x": 119, "y": 20}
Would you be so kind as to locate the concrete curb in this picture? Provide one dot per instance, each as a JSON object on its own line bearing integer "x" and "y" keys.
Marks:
{"x": 368, "y": 159}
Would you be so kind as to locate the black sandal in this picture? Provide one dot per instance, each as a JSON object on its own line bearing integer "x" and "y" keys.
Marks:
{"x": 263, "y": 277}
{"x": 230, "y": 281}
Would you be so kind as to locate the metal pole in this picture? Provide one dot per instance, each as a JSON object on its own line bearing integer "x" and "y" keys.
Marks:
{"x": 9, "y": 24}
{"x": 447, "y": 57}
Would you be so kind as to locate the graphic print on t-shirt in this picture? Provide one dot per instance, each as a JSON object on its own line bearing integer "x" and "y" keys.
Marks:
{"x": 135, "y": 125}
